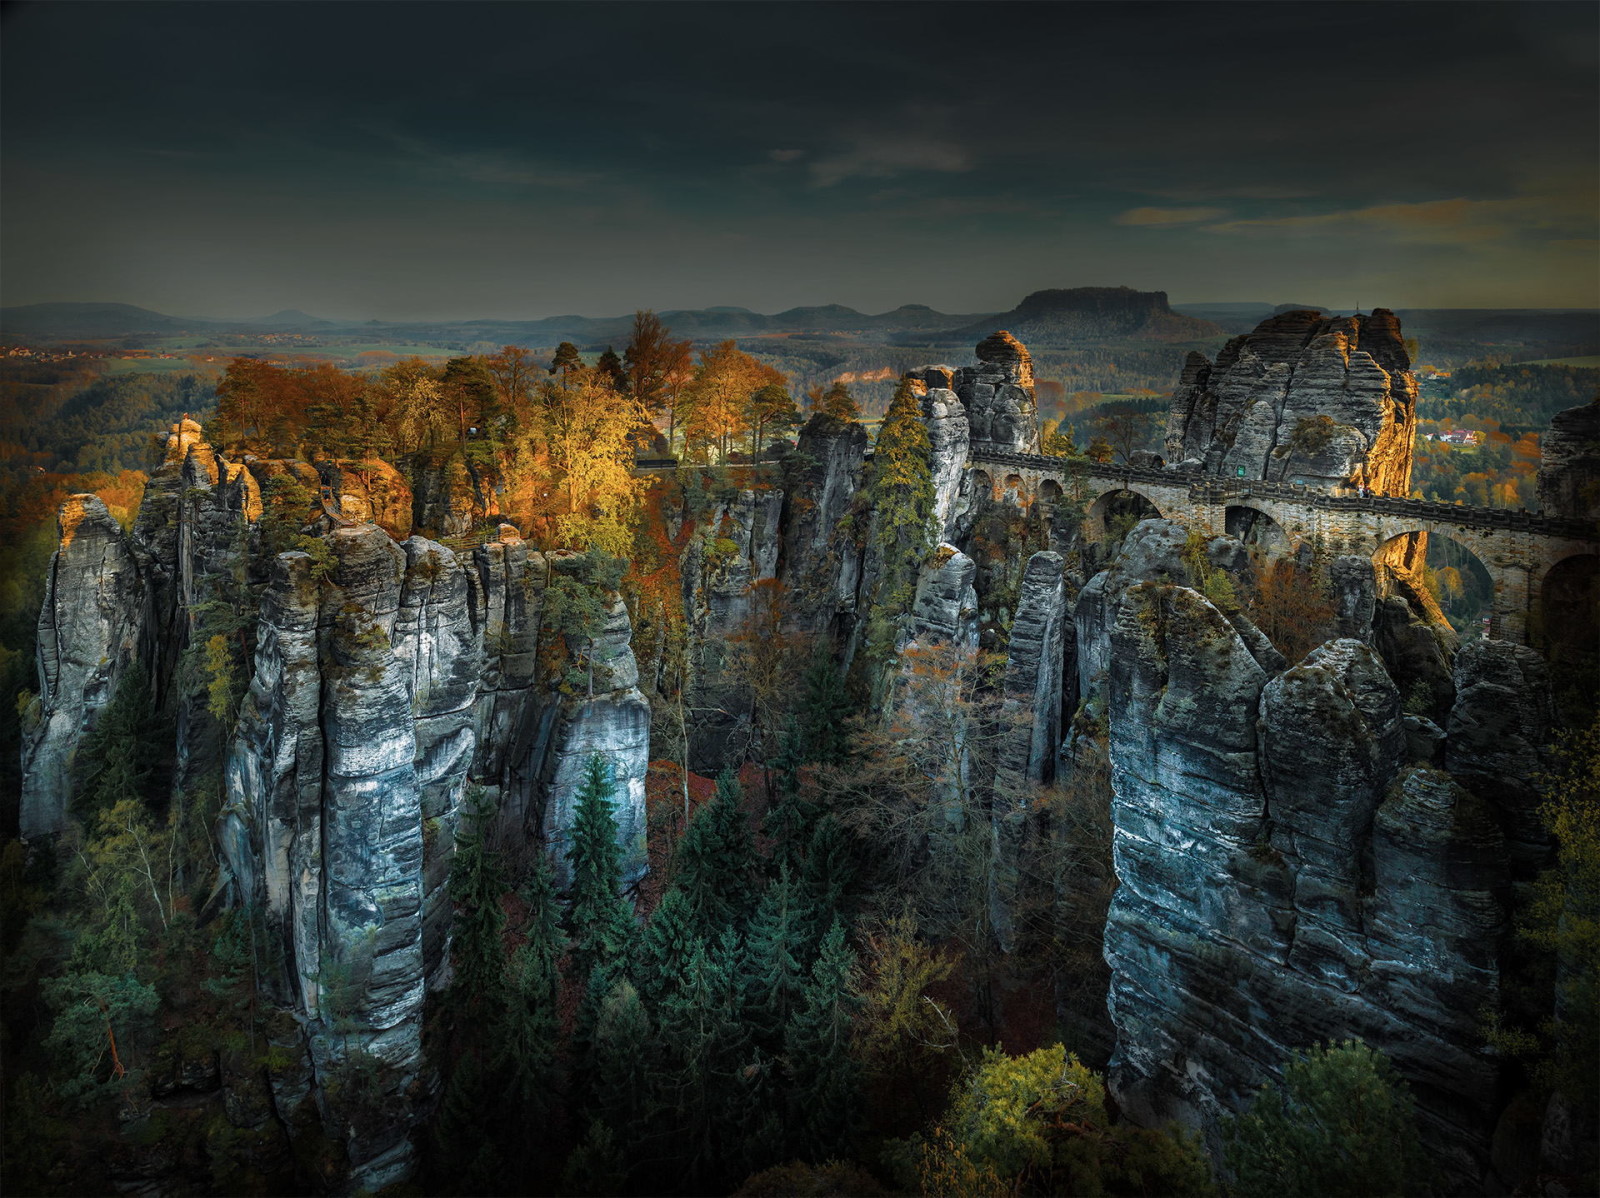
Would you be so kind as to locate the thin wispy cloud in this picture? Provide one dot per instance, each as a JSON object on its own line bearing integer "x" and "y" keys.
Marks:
{"x": 1456, "y": 221}
{"x": 1159, "y": 217}
{"x": 885, "y": 156}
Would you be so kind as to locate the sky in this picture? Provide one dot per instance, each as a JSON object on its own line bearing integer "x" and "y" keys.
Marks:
{"x": 405, "y": 161}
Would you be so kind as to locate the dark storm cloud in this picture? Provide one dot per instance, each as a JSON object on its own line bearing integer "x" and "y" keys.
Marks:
{"x": 499, "y": 159}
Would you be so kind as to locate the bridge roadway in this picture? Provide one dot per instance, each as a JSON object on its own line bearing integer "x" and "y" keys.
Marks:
{"x": 1518, "y": 549}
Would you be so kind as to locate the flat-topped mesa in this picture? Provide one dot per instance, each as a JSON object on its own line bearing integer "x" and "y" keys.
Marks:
{"x": 1328, "y": 401}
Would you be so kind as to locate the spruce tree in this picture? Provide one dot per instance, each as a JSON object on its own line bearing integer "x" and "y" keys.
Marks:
{"x": 667, "y": 943}
{"x": 716, "y": 860}
{"x": 700, "y": 1089}
{"x": 826, "y": 873}
{"x": 620, "y": 1074}
{"x": 824, "y": 1079}
{"x": 775, "y": 951}
{"x": 477, "y": 882}
{"x": 824, "y": 708}
{"x": 530, "y": 1026}
{"x": 599, "y": 920}
{"x": 787, "y": 822}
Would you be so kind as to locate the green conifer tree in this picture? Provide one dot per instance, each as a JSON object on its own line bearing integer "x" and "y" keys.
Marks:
{"x": 824, "y": 1078}
{"x": 776, "y": 950}
{"x": 117, "y": 757}
{"x": 621, "y": 1068}
{"x": 716, "y": 860}
{"x": 667, "y": 943}
{"x": 477, "y": 883}
{"x": 700, "y": 1087}
{"x": 824, "y": 709}
{"x": 599, "y": 920}
{"x": 1343, "y": 1123}
{"x": 531, "y": 1026}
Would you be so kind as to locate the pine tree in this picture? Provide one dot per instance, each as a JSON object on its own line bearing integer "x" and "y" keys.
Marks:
{"x": 609, "y": 367}
{"x": 824, "y": 1080}
{"x": 599, "y": 920}
{"x": 566, "y": 360}
{"x": 775, "y": 951}
{"x": 477, "y": 881}
{"x": 1343, "y": 1123}
{"x": 837, "y": 403}
{"x": 716, "y": 860}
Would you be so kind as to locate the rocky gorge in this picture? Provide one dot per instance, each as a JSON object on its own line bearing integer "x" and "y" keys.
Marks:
{"x": 1303, "y": 852}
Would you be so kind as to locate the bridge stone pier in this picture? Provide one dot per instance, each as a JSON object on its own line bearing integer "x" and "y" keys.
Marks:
{"x": 1517, "y": 549}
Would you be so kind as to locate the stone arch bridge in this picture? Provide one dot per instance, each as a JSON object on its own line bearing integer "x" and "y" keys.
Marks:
{"x": 1519, "y": 550}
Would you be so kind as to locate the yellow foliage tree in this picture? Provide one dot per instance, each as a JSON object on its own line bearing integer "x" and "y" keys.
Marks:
{"x": 587, "y": 429}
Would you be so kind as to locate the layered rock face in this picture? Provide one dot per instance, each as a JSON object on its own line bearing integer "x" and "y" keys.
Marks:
{"x": 820, "y": 557}
{"x": 1569, "y": 467}
{"x": 385, "y": 677}
{"x": 996, "y": 397}
{"x": 1288, "y": 872}
{"x": 89, "y": 632}
{"x": 1327, "y": 400}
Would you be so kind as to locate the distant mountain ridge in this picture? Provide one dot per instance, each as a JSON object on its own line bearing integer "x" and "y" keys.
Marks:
{"x": 1056, "y": 316}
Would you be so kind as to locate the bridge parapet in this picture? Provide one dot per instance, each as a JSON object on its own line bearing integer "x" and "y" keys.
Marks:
{"x": 1212, "y": 489}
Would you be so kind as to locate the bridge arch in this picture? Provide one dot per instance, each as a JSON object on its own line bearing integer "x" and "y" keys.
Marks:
{"x": 1116, "y": 511}
{"x": 1050, "y": 493}
{"x": 1568, "y": 609}
{"x": 1015, "y": 490}
{"x": 1468, "y": 591}
{"x": 1256, "y": 528}
{"x": 982, "y": 485}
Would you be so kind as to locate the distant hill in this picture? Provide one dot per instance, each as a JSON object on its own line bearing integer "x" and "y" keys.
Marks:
{"x": 92, "y": 320}
{"x": 291, "y": 318}
{"x": 1058, "y": 317}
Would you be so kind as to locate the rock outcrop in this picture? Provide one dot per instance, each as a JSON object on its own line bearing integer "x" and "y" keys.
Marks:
{"x": 949, "y": 437}
{"x": 89, "y": 632}
{"x": 820, "y": 556}
{"x": 348, "y": 767}
{"x": 1285, "y": 875}
{"x": 1569, "y": 466}
{"x": 1326, "y": 400}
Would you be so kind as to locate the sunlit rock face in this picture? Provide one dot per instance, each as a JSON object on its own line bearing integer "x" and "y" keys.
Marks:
{"x": 89, "y": 631}
{"x": 1569, "y": 467}
{"x": 998, "y": 395}
{"x": 370, "y": 491}
{"x": 1286, "y": 873}
{"x": 347, "y": 770}
{"x": 1306, "y": 397}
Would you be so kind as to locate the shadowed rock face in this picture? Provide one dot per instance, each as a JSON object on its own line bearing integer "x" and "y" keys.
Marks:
{"x": 819, "y": 561}
{"x": 1569, "y": 466}
{"x": 1285, "y": 876}
{"x": 1330, "y": 400}
{"x": 89, "y": 631}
